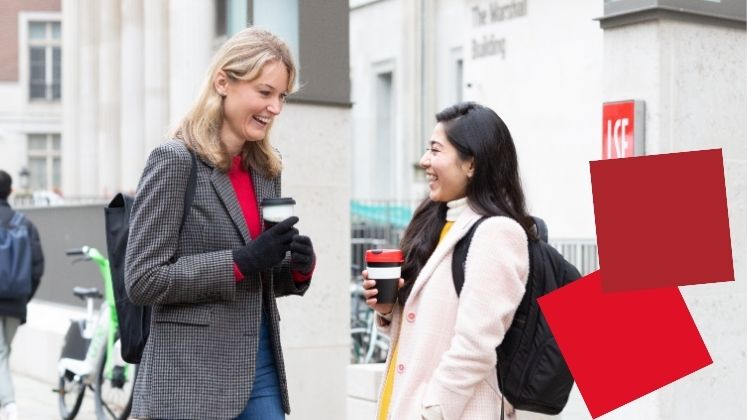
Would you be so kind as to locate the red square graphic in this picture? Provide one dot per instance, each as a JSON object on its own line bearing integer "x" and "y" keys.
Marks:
{"x": 621, "y": 346}
{"x": 662, "y": 220}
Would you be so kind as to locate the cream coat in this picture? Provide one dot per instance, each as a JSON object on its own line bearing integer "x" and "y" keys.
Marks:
{"x": 447, "y": 344}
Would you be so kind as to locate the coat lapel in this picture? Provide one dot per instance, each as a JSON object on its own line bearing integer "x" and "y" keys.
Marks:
{"x": 447, "y": 244}
{"x": 224, "y": 188}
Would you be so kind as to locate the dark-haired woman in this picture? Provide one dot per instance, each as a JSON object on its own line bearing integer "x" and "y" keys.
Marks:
{"x": 442, "y": 362}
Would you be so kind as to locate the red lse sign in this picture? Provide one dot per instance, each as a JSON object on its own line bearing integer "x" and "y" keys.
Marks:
{"x": 622, "y": 129}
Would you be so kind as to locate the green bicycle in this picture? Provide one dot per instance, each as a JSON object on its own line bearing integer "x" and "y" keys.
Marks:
{"x": 91, "y": 355}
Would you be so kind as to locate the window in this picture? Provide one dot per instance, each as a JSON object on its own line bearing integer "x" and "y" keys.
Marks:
{"x": 221, "y": 18}
{"x": 457, "y": 75}
{"x": 281, "y": 18}
{"x": 384, "y": 146}
{"x": 231, "y": 16}
{"x": 458, "y": 79}
{"x": 44, "y": 162}
{"x": 278, "y": 16}
{"x": 45, "y": 60}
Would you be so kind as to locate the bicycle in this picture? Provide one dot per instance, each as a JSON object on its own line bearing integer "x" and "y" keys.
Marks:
{"x": 90, "y": 356}
{"x": 367, "y": 345}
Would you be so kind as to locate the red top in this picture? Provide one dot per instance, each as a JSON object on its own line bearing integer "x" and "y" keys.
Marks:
{"x": 244, "y": 188}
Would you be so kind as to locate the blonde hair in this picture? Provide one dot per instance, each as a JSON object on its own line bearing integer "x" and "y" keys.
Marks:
{"x": 242, "y": 57}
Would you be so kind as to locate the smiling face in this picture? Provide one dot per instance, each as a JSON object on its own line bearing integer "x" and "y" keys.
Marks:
{"x": 448, "y": 175}
{"x": 250, "y": 106}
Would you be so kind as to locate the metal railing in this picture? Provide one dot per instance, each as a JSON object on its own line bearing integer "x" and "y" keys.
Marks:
{"x": 380, "y": 224}
{"x": 582, "y": 253}
{"x": 46, "y": 199}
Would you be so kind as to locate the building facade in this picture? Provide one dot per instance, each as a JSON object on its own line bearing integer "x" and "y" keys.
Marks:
{"x": 128, "y": 72}
{"x": 30, "y": 85}
{"x": 547, "y": 68}
{"x": 411, "y": 59}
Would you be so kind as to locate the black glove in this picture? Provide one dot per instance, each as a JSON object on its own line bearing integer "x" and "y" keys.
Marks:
{"x": 268, "y": 249}
{"x": 302, "y": 254}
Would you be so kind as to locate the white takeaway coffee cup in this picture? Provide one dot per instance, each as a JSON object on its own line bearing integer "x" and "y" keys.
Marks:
{"x": 276, "y": 210}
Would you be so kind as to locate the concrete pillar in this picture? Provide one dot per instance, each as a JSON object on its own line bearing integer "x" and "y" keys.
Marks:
{"x": 86, "y": 157}
{"x": 428, "y": 69}
{"x": 70, "y": 96}
{"x": 191, "y": 35}
{"x": 409, "y": 84}
{"x": 132, "y": 85}
{"x": 690, "y": 71}
{"x": 156, "y": 32}
{"x": 109, "y": 97}
{"x": 317, "y": 326}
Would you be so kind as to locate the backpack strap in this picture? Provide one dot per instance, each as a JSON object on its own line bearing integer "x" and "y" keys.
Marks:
{"x": 16, "y": 220}
{"x": 541, "y": 227}
{"x": 459, "y": 259}
{"x": 189, "y": 196}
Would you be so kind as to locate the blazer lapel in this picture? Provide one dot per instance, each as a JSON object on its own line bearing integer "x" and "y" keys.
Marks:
{"x": 224, "y": 188}
{"x": 447, "y": 244}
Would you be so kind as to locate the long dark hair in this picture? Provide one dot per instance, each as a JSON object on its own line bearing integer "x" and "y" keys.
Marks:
{"x": 476, "y": 132}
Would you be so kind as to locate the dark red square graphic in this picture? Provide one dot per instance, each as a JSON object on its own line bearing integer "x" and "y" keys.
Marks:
{"x": 662, "y": 220}
{"x": 621, "y": 346}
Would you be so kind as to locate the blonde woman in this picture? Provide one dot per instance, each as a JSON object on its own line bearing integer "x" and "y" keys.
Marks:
{"x": 212, "y": 279}
{"x": 442, "y": 362}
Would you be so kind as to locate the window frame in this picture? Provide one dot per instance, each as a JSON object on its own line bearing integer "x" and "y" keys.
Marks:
{"x": 24, "y": 54}
{"x": 456, "y": 75}
{"x": 377, "y": 70}
{"x": 49, "y": 154}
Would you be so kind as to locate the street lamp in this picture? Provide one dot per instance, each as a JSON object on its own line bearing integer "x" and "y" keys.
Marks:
{"x": 23, "y": 179}
{"x": 23, "y": 196}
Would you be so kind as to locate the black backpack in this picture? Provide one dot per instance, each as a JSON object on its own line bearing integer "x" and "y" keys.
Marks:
{"x": 134, "y": 320}
{"x": 532, "y": 374}
{"x": 15, "y": 259}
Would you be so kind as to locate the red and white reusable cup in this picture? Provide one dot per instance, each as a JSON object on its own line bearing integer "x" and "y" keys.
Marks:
{"x": 385, "y": 266}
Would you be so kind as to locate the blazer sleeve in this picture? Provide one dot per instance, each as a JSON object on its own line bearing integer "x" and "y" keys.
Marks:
{"x": 495, "y": 280}
{"x": 152, "y": 276}
{"x": 283, "y": 284}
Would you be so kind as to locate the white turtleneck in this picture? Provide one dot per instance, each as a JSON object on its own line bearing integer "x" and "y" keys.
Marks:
{"x": 455, "y": 208}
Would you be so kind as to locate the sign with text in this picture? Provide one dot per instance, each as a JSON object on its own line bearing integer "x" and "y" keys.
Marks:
{"x": 491, "y": 14}
{"x": 622, "y": 129}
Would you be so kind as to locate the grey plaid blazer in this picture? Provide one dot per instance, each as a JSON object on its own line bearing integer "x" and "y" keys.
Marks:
{"x": 199, "y": 362}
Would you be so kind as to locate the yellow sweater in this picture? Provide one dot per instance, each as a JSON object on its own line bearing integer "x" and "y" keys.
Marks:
{"x": 386, "y": 396}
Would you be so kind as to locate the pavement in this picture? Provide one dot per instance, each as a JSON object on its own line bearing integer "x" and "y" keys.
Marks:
{"x": 36, "y": 401}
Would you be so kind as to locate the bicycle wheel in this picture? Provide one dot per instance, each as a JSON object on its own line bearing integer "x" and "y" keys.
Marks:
{"x": 69, "y": 395}
{"x": 357, "y": 344}
{"x": 114, "y": 394}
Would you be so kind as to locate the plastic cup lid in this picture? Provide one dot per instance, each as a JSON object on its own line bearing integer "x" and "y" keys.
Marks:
{"x": 384, "y": 255}
{"x": 282, "y": 201}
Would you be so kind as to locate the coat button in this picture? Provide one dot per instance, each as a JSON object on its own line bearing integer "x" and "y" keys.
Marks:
{"x": 401, "y": 368}
{"x": 411, "y": 317}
